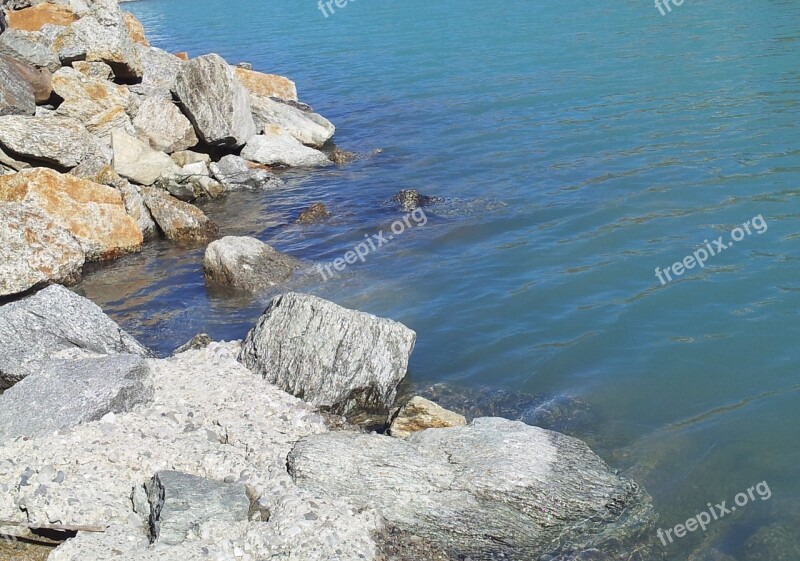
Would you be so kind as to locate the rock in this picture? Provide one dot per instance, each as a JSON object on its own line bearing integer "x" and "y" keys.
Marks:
{"x": 16, "y": 94}
{"x": 341, "y": 360}
{"x": 94, "y": 70}
{"x": 410, "y": 199}
{"x": 190, "y": 183}
{"x": 215, "y": 102}
{"x": 85, "y": 98}
{"x": 199, "y": 341}
{"x": 34, "y": 250}
{"x": 179, "y": 502}
{"x": 495, "y": 489}
{"x": 12, "y": 164}
{"x": 136, "y": 161}
{"x": 106, "y": 122}
{"x": 101, "y": 36}
{"x": 774, "y": 542}
{"x": 341, "y": 157}
{"x": 160, "y": 68}
{"x": 29, "y": 47}
{"x": 420, "y": 414}
{"x": 136, "y": 209}
{"x": 179, "y": 221}
{"x": 67, "y": 393}
{"x": 235, "y": 174}
{"x": 183, "y": 55}
{"x": 308, "y": 128}
{"x": 278, "y": 148}
{"x": 246, "y": 264}
{"x": 135, "y": 29}
{"x": 55, "y": 319}
{"x": 164, "y": 126}
{"x": 315, "y": 213}
{"x": 39, "y": 79}
{"x": 267, "y": 85}
{"x": 186, "y": 157}
{"x": 35, "y": 17}
{"x": 94, "y": 214}
{"x": 58, "y": 141}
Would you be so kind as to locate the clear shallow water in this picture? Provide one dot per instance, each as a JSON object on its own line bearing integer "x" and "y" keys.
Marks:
{"x": 582, "y": 145}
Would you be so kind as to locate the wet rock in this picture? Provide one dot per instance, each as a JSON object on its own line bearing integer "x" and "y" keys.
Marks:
{"x": 266, "y": 85}
{"x": 35, "y": 17}
{"x": 30, "y": 47}
{"x": 246, "y": 264}
{"x": 278, "y": 148}
{"x": 341, "y": 360}
{"x": 58, "y": 141}
{"x": 16, "y": 94}
{"x": 101, "y": 36}
{"x": 776, "y": 542}
{"x": 161, "y": 122}
{"x": 199, "y": 341}
{"x": 53, "y": 320}
{"x": 34, "y": 250}
{"x": 341, "y": 157}
{"x": 420, "y": 414}
{"x": 191, "y": 182}
{"x": 94, "y": 214}
{"x": 215, "y": 102}
{"x": 308, "y": 128}
{"x": 410, "y": 199}
{"x": 180, "y": 502}
{"x": 235, "y": 174}
{"x": 179, "y": 221}
{"x": 67, "y": 393}
{"x": 39, "y": 79}
{"x": 496, "y": 489}
{"x": 314, "y": 213}
{"x": 136, "y": 161}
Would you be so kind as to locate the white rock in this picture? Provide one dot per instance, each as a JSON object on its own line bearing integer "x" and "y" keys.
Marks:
{"x": 276, "y": 148}
{"x": 136, "y": 161}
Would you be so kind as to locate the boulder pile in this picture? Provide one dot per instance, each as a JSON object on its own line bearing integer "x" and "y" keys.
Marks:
{"x": 105, "y": 140}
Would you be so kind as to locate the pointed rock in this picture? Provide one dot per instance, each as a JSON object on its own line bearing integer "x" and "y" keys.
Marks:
{"x": 180, "y": 222}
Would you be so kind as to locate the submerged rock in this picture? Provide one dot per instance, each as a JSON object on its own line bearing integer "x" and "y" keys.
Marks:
{"x": 246, "y": 264}
{"x": 215, "y": 102}
{"x": 235, "y": 174}
{"x": 278, "y": 148}
{"x": 496, "y": 489}
{"x": 34, "y": 250}
{"x": 94, "y": 214}
{"x": 179, "y": 502}
{"x": 315, "y": 213}
{"x": 420, "y": 414}
{"x": 55, "y": 319}
{"x": 341, "y": 360}
{"x": 410, "y": 199}
{"x": 67, "y": 393}
{"x": 179, "y": 221}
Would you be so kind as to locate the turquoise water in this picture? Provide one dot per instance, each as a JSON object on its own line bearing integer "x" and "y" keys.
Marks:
{"x": 580, "y": 145}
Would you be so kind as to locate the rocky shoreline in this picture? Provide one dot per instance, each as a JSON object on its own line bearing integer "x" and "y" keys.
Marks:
{"x": 228, "y": 450}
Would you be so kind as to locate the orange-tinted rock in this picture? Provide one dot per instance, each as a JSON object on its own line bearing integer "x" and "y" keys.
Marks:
{"x": 135, "y": 29}
{"x": 35, "y": 17}
{"x": 184, "y": 56}
{"x": 269, "y": 85}
{"x": 94, "y": 214}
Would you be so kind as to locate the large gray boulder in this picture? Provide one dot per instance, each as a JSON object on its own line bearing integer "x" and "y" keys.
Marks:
{"x": 30, "y": 47}
{"x": 16, "y": 94}
{"x": 496, "y": 489}
{"x": 160, "y": 71}
{"x": 55, "y": 319}
{"x": 309, "y": 128}
{"x": 215, "y": 102}
{"x": 181, "y": 502}
{"x": 234, "y": 173}
{"x": 59, "y": 141}
{"x": 34, "y": 250}
{"x": 246, "y": 264}
{"x": 278, "y": 148}
{"x": 70, "y": 392}
{"x": 341, "y": 360}
{"x": 161, "y": 122}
